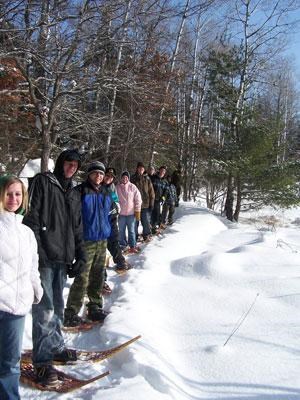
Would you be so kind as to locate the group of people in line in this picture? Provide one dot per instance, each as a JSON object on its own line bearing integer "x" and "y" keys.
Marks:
{"x": 65, "y": 232}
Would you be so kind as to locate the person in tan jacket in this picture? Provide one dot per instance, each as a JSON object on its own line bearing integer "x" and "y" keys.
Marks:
{"x": 144, "y": 184}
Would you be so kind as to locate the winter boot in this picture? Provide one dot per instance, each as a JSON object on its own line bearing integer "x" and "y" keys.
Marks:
{"x": 71, "y": 319}
{"x": 125, "y": 266}
{"x": 96, "y": 313}
{"x": 134, "y": 250}
{"x": 46, "y": 375}
{"x": 66, "y": 356}
{"x": 106, "y": 289}
{"x": 147, "y": 238}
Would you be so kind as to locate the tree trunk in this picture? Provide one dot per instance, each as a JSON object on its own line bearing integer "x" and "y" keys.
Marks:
{"x": 238, "y": 199}
{"x": 115, "y": 88}
{"x": 229, "y": 199}
{"x": 173, "y": 60}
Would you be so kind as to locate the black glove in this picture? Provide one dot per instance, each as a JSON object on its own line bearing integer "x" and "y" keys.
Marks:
{"x": 76, "y": 269}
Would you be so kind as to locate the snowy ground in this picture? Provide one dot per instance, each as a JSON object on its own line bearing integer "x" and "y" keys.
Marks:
{"x": 189, "y": 291}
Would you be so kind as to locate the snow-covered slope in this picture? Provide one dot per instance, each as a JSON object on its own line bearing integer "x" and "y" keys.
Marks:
{"x": 189, "y": 291}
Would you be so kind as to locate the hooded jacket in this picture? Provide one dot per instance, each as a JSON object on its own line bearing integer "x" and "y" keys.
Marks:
{"x": 20, "y": 284}
{"x": 129, "y": 197}
{"x": 96, "y": 208}
{"x": 55, "y": 215}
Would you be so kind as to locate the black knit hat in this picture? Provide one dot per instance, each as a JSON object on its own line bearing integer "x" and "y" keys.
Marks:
{"x": 125, "y": 173}
{"x": 140, "y": 164}
{"x": 96, "y": 166}
{"x": 111, "y": 171}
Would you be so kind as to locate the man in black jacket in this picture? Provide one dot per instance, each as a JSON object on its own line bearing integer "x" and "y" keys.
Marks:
{"x": 159, "y": 185}
{"x": 55, "y": 218}
{"x": 177, "y": 182}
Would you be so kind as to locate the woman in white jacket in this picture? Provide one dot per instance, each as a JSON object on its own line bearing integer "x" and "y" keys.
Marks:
{"x": 20, "y": 284}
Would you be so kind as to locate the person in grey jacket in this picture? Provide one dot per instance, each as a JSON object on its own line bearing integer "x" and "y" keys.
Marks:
{"x": 19, "y": 281}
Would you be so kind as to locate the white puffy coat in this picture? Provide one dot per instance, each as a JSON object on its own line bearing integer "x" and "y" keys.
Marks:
{"x": 20, "y": 284}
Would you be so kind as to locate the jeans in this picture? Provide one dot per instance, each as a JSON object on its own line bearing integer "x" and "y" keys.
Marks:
{"x": 47, "y": 316}
{"x": 11, "y": 335}
{"x": 127, "y": 221}
{"x": 91, "y": 280}
{"x": 145, "y": 221}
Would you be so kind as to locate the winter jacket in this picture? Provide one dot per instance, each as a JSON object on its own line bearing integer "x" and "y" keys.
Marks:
{"x": 159, "y": 185}
{"x": 144, "y": 184}
{"x": 55, "y": 218}
{"x": 114, "y": 214}
{"x": 171, "y": 195}
{"x": 129, "y": 197}
{"x": 177, "y": 178}
{"x": 20, "y": 284}
{"x": 96, "y": 207}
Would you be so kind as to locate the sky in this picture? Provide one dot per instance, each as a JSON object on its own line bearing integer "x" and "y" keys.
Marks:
{"x": 293, "y": 51}
{"x": 217, "y": 307}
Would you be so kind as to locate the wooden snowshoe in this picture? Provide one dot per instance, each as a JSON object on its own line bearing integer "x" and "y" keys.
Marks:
{"x": 67, "y": 382}
{"x": 86, "y": 356}
{"x": 85, "y": 326}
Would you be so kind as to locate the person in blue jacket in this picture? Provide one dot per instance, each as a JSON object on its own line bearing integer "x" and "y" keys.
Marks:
{"x": 97, "y": 204}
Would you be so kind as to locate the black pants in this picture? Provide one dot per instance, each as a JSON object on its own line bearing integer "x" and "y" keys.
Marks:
{"x": 167, "y": 213}
{"x": 156, "y": 214}
{"x": 114, "y": 248}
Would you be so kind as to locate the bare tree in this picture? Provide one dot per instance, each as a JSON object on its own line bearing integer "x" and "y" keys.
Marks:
{"x": 260, "y": 26}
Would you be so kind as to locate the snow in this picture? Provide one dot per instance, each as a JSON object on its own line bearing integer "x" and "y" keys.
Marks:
{"x": 32, "y": 167}
{"x": 203, "y": 283}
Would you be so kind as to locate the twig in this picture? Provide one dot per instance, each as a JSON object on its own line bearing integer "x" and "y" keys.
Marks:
{"x": 241, "y": 320}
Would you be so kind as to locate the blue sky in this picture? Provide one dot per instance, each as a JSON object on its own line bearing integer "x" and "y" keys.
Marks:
{"x": 294, "y": 50}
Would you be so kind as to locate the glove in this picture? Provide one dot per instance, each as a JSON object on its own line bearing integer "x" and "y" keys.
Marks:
{"x": 76, "y": 269}
{"x": 137, "y": 215}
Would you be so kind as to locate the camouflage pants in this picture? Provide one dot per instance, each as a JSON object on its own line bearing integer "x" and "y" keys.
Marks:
{"x": 91, "y": 281}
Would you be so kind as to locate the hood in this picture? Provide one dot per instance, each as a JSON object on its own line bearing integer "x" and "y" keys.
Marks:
{"x": 67, "y": 155}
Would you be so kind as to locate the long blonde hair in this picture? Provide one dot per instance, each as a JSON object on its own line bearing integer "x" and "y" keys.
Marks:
{"x": 5, "y": 182}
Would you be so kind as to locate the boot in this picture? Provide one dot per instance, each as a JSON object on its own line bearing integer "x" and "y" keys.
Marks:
{"x": 96, "y": 313}
{"x": 65, "y": 356}
{"x": 125, "y": 266}
{"x": 46, "y": 375}
{"x": 71, "y": 319}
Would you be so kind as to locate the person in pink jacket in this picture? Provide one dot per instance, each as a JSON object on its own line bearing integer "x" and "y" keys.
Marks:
{"x": 130, "y": 202}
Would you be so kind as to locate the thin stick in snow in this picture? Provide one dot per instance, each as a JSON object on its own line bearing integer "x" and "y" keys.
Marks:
{"x": 241, "y": 320}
